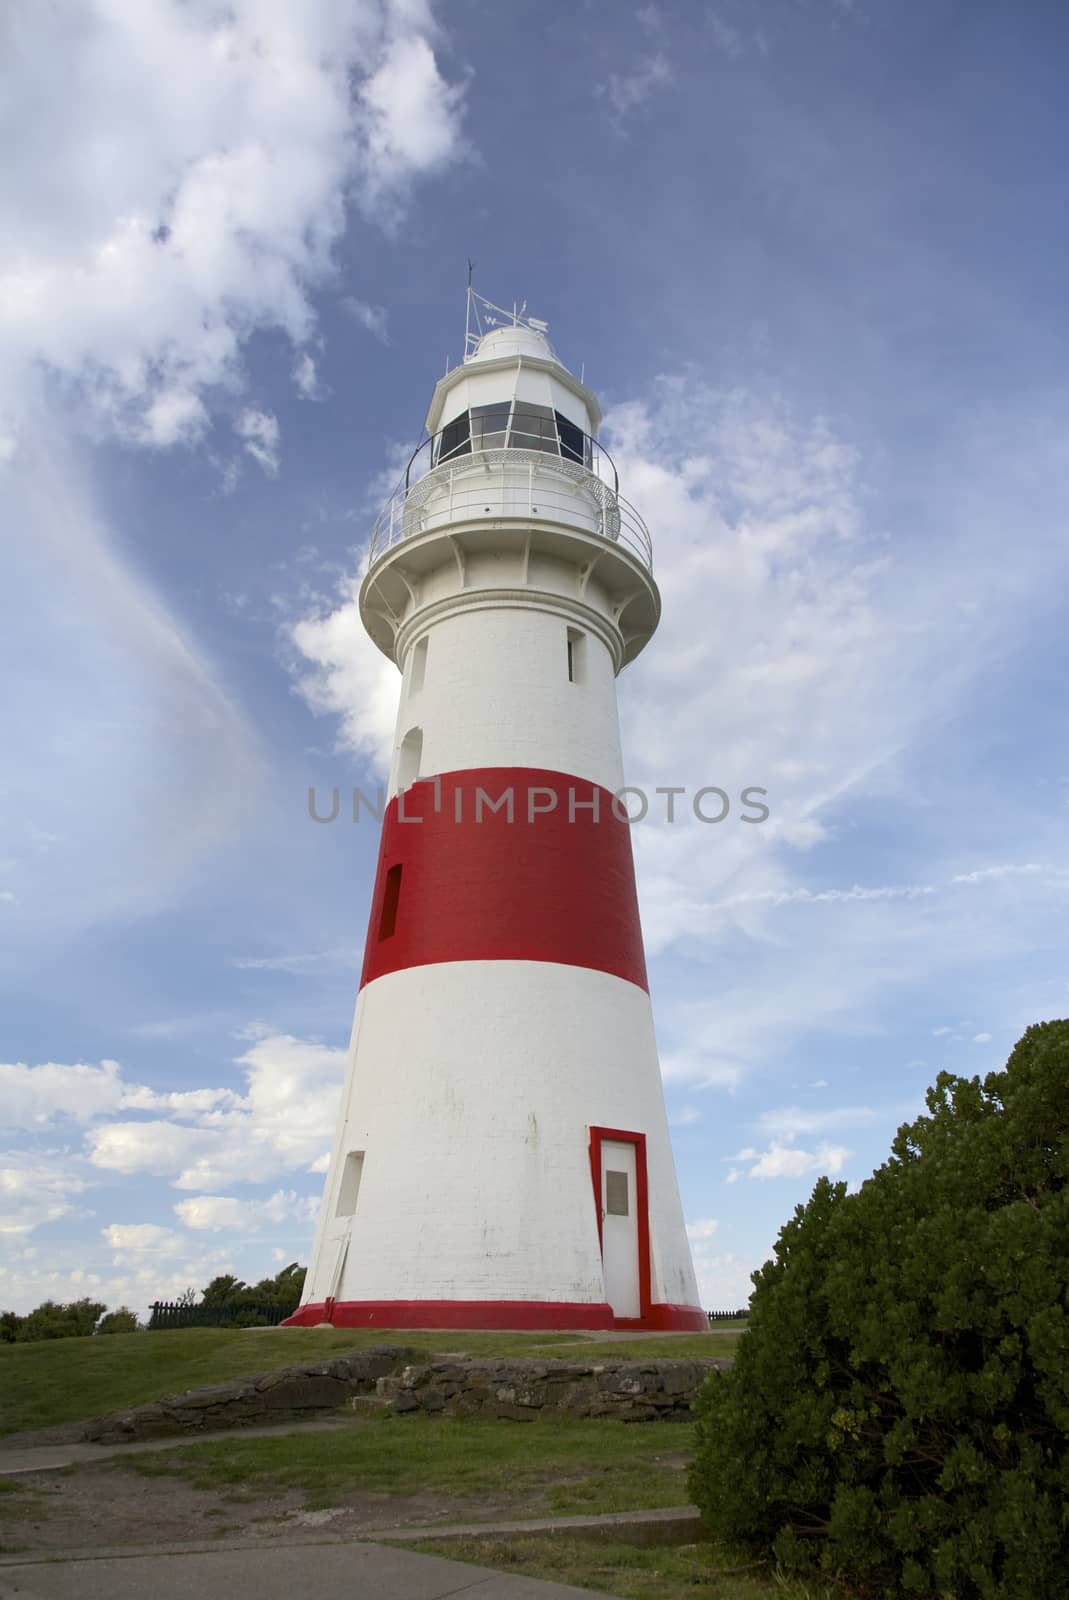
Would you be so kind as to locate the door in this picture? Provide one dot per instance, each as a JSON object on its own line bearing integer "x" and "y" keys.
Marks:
{"x": 619, "y": 1227}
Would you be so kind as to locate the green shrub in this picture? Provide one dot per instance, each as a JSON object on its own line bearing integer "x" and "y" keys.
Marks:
{"x": 121, "y": 1321}
{"x": 898, "y": 1413}
{"x": 53, "y": 1320}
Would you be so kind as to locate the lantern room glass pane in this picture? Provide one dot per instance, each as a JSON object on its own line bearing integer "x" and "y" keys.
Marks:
{"x": 533, "y": 428}
{"x": 488, "y": 426}
{"x": 572, "y": 440}
{"x": 455, "y": 438}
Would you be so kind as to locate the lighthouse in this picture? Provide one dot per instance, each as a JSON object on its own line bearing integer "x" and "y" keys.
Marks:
{"x": 502, "y": 1157}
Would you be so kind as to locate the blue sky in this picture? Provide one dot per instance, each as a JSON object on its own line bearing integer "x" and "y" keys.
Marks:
{"x": 811, "y": 257}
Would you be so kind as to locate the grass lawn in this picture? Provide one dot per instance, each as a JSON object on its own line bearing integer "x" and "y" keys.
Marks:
{"x": 665, "y": 1573}
{"x": 681, "y": 1346}
{"x": 569, "y": 1465}
{"x": 65, "y": 1380}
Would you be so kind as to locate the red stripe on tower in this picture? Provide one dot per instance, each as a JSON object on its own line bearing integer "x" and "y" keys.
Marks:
{"x": 505, "y": 864}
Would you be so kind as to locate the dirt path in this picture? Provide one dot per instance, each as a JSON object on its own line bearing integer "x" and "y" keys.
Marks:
{"x": 103, "y": 1507}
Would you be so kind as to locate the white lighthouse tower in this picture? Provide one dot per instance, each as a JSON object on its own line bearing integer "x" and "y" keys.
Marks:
{"x": 502, "y": 1157}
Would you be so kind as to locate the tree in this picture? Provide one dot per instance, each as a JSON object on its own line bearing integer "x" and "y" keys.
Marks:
{"x": 898, "y": 1412}
{"x": 121, "y": 1321}
{"x": 223, "y": 1291}
{"x": 285, "y": 1287}
{"x": 53, "y": 1320}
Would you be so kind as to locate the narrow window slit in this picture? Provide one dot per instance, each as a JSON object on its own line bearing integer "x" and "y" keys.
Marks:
{"x": 419, "y": 667}
{"x": 576, "y": 652}
{"x": 349, "y": 1187}
{"x": 409, "y": 758}
{"x": 391, "y": 894}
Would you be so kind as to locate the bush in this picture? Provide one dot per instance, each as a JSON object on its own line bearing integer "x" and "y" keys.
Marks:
{"x": 899, "y": 1409}
{"x": 51, "y": 1320}
{"x": 122, "y": 1321}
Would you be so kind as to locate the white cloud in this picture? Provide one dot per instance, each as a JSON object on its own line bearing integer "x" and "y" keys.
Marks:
{"x": 182, "y": 179}
{"x": 723, "y": 1278}
{"x": 728, "y": 38}
{"x": 818, "y": 897}
{"x": 941, "y": 1033}
{"x": 702, "y": 1230}
{"x": 700, "y": 1071}
{"x": 282, "y": 1123}
{"x": 173, "y": 416}
{"x": 34, "y": 1098}
{"x": 34, "y": 1189}
{"x": 130, "y": 1241}
{"x": 1001, "y": 870}
{"x": 344, "y": 956}
{"x": 161, "y": 1148}
{"x": 306, "y": 378}
{"x": 758, "y": 507}
{"x": 787, "y": 1161}
{"x": 373, "y": 318}
{"x": 218, "y": 1213}
{"x": 183, "y": 1102}
{"x": 349, "y": 678}
{"x": 260, "y": 431}
{"x": 981, "y": 1038}
{"x": 409, "y": 121}
{"x": 625, "y": 91}
{"x": 68, "y": 1272}
{"x": 292, "y": 1095}
{"x": 830, "y": 660}
{"x": 149, "y": 762}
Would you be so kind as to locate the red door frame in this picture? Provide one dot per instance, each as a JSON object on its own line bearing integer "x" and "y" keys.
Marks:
{"x": 642, "y": 1206}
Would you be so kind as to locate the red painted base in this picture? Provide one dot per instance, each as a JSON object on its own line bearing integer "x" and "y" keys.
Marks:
{"x": 537, "y": 1315}
{"x": 667, "y": 1319}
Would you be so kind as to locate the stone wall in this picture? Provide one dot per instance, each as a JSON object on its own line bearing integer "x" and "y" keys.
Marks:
{"x": 265, "y": 1397}
{"x": 633, "y": 1391}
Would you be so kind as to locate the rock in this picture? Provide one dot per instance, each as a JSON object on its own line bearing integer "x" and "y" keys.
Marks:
{"x": 521, "y": 1390}
{"x": 516, "y": 1391}
{"x": 312, "y": 1393}
{"x": 263, "y": 1397}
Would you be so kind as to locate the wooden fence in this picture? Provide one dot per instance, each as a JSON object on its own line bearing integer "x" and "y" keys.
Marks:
{"x": 251, "y": 1313}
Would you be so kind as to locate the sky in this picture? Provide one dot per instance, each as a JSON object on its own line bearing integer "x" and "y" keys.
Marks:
{"x": 810, "y": 255}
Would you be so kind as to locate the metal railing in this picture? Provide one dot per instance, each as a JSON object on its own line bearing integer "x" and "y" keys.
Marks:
{"x": 508, "y": 427}
{"x": 536, "y": 485}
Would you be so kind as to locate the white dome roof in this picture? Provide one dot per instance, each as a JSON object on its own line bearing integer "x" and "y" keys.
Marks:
{"x": 512, "y": 340}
